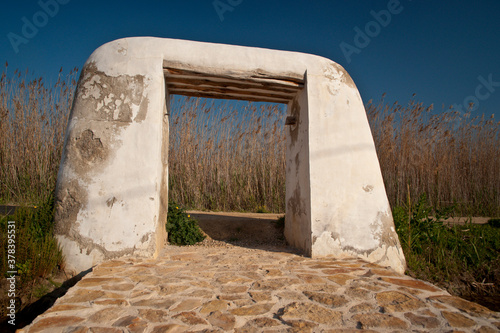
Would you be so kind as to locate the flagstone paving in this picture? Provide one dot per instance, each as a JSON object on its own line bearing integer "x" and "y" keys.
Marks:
{"x": 218, "y": 287}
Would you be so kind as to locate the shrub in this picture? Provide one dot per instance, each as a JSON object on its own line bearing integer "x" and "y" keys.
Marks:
{"x": 37, "y": 253}
{"x": 182, "y": 229}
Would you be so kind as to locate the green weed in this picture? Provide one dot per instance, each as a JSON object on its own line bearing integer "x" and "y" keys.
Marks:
{"x": 262, "y": 210}
{"x": 181, "y": 227}
{"x": 37, "y": 253}
{"x": 463, "y": 258}
{"x": 41, "y": 290}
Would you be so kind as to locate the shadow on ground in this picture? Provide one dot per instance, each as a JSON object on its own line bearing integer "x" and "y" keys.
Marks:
{"x": 30, "y": 312}
{"x": 252, "y": 230}
{"x": 260, "y": 231}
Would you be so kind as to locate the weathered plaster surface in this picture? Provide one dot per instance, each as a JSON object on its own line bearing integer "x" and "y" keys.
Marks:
{"x": 112, "y": 190}
{"x": 298, "y": 192}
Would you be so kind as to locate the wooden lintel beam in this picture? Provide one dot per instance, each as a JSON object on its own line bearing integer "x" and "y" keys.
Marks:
{"x": 231, "y": 90}
{"x": 238, "y": 77}
{"x": 180, "y": 80}
{"x": 253, "y": 98}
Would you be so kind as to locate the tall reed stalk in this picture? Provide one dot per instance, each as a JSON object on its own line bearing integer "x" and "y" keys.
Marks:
{"x": 226, "y": 155}
{"x": 451, "y": 157}
{"x": 33, "y": 121}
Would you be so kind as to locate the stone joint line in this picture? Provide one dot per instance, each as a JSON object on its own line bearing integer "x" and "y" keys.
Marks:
{"x": 235, "y": 289}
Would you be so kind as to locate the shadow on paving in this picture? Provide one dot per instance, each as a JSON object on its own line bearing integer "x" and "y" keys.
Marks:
{"x": 30, "y": 312}
{"x": 260, "y": 231}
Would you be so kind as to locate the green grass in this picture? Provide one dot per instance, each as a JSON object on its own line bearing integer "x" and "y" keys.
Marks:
{"x": 37, "y": 253}
{"x": 262, "y": 210}
{"x": 465, "y": 259}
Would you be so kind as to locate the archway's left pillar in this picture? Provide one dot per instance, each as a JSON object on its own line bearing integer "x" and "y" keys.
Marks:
{"x": 111, "y": 196}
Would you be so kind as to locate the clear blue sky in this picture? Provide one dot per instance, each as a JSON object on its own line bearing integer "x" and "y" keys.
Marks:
{"x": 446, "y": 52}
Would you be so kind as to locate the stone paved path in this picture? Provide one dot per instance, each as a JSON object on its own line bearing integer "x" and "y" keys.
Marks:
{"x": 226, "y": 288}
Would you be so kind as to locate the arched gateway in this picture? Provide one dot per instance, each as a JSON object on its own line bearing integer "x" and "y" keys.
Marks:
{"x": 111, "y": 197}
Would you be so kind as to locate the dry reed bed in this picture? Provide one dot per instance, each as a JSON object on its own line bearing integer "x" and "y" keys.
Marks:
{"x": 33, "y": 120}
{"x": 230, "y": 156}
{"x": 451, "y": 157}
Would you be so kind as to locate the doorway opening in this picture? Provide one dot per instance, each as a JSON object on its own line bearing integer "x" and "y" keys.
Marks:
{"x": 227, "y": 137}
{"x": 228, "y": 144}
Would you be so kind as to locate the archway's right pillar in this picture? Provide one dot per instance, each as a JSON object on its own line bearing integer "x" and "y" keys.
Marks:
{"x": 336, "y": 203}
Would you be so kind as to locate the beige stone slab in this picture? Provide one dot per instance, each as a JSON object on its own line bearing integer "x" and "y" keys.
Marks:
{"x": 277, "y": 302}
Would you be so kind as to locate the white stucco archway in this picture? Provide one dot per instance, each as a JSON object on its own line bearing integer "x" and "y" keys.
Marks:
{"x": 111, "y": 197}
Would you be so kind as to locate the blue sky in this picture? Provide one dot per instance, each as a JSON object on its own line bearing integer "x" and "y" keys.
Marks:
{"x": 446, "y": 52}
